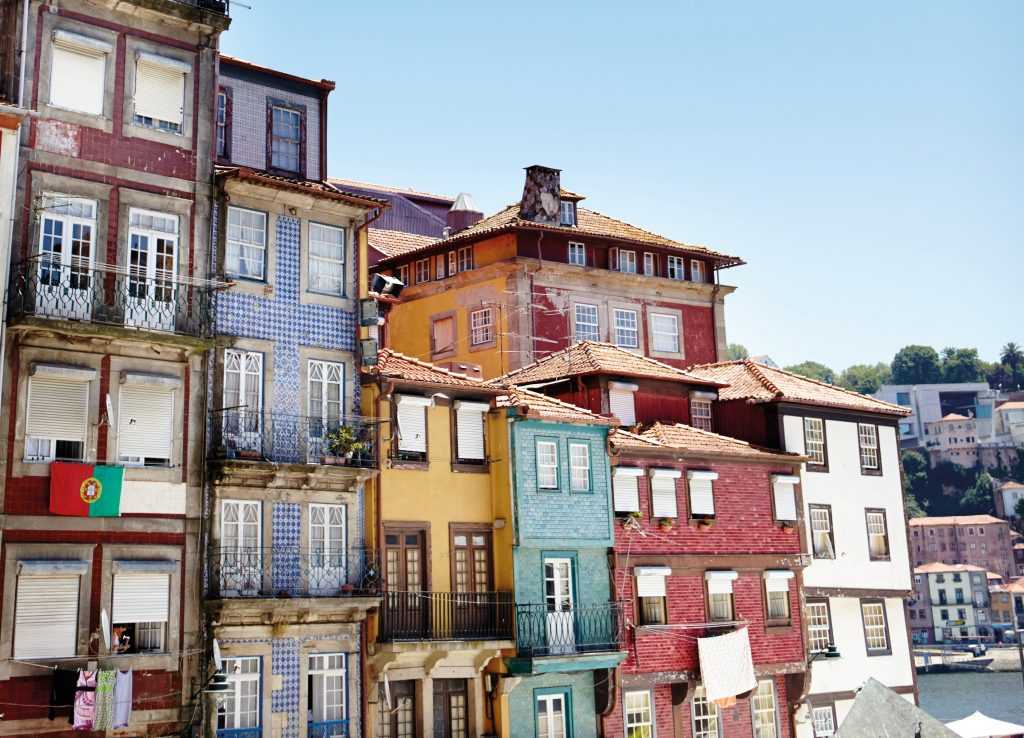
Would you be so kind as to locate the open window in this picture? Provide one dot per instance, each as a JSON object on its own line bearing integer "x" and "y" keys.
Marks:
{"x": 823, "y": 545}
{"x": 650, "y": 591}
{"x": 141, "y": 606}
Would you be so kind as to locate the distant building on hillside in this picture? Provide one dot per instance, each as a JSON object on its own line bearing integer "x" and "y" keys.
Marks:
{"x": 958, "y": 597}
{"x": 952, "y": 438}
{"x": 1006, "y": 497}
{"x": 979, "y": 540}
{"x": 1009, "y": 421}
{"x": 931, "y": 402}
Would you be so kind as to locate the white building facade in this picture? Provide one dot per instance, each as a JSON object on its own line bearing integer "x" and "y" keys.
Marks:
{"x": 929, "y": 402}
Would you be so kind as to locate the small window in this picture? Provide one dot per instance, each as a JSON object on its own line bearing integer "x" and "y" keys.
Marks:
{"x": 876, "y": 629}
{"x": 702, "y": 496}
{"x": 868, "y": 438}
{"x": 676, "y": 268}
{"x": 326, "y": 691}
{"x": 46, "y": 615}
{"x": 720, "y": 595}
{"x": 585, "y": 324}
{"x": 547, "y": 465}
{"x": 439, "y": 273}
{"x": 626, "y": 489}
{"x": 223, "y": 125}
{"x": 621, "y": 402}
{"x": 577, "y": 254}
{"x": 697, "y": 271}
{"x": 568, "y": 213}
{"x": 422, "y": 271}
{"x": 481, "y": 327}
{"x": 411, "y": 419}
{"x": 326, "y": 259}
{"x": 57, "y": 419}
{"x": 579, "y": 467}
{"x": 245, "y": 255}
{"x": 762, "y": 706}
{"x": 704, "y": 715}
{"x": 469, "y": 431}
{"x": 663, "y": 493}
{"x": 160, "y": 92}
{"x": 627, "y": 261}
{"x": 78, "y": 67}
{"x": 285, "y": 139}
{"x": 878, "y": 535}
{"x": 819, "y": 629}
{"x": 453, "y": 263}
{"x": 823, "y": 719}
{"x": 627, "y": 333}
{"x": 784, "y": 497}
{"x": 639, "y": 714}
{"x": 822, "y": 539}
{"x": 465, "y": 259}
{"x": 814, "y": 442}
{"x": 903, "y": 398}
{"x": 650, "y": 264}
{"x": 145, "y": 424}
{"x": 650, "y": 591}
{"x": 700, "y": 413}
{"x": 665, "y": 333}
{"x": 442, "y": 335}
{"x": 776, "y": 586}
{"x": 140, "y": 611}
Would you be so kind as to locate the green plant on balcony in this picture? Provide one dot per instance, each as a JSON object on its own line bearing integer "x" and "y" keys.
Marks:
{"x": 343, "y": 442}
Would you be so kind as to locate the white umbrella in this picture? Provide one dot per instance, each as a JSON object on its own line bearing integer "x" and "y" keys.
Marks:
{"x": 979, "y": 725}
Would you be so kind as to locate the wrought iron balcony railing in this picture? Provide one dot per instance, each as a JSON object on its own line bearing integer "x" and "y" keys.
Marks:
{"x": 239, "y": 732}
{"x": 327, "y": 729}
{"x": 294, "y": 439}
{"x": 541, "y": 631}
{"x": 446, "y": 616}
{"x": 151, "y": 300}
{"x": 292, "y": 572}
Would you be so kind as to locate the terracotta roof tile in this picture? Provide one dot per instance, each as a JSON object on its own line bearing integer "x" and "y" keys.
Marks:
{"x": 687, "y": 438}
{"x": 957, "y": 520}
{"x": 548, "y": 408}
{"x": 592, "y": 357}
{"x": 393, "y": 365}
{"x": 622, "y": 439}
{"x": 1011, "y": 485}
{"x": 750, "y": 381}
{"x": 954, "y": 416}
{"x": 306, "y": 186}
{"x": 1014, "y": 405}
{"x": 395, "y": 243}
{"x": 936, "y": 567}
{"x": 588, "y": 223}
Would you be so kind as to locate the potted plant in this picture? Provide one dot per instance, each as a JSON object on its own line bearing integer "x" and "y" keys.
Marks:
{"x": 705, "y": 522}
{"x": 343, "y": 443}
{"x": 666, "y": 523}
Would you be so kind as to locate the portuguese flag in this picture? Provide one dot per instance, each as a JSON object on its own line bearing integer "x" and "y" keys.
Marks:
{"x": 85, "y": 490}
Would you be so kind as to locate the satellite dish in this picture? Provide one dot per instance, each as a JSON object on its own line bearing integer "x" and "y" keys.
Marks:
{"x": 218, "y": 663}
{"x": 105, "y": 627}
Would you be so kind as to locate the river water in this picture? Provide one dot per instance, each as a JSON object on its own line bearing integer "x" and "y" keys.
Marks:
{"x": 953, "y": 696}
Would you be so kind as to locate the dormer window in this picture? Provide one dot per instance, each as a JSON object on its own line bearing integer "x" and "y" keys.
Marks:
{"x": 568, "y": 213}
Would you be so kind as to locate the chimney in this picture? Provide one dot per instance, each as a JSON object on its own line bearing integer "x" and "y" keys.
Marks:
{"x": 541, "y": 201}
{"x": 463, "y": 213}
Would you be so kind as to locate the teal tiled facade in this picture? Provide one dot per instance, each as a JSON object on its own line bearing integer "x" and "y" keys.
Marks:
{"x": 578, "y": 687}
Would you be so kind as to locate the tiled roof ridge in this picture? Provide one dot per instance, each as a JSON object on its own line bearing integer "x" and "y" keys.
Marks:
{"x": 720, "y": 437}
{"x": 652, "y": 234}
{"x": 635, "y": 436}
{"x": 387, "y": 352}
{"x": 391, "y": 189}
{"x": 505, "y": 378}
{"x": 760, "y": 376}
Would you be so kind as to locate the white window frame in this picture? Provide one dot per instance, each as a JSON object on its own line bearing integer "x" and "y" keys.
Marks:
{"x": 697, "y": 270}
{"x": 221, "y": 124}
{"x": 701, "y": 416}
{"x": 43, "y": 448}
{"x": 241, "y": 681}
{"x": 815, "y": 442}
{"x": 776, "y": 591}
{"x": 544, "y": 710}
{"x": 36, "y": 614}
{"x": 626, "y": 488}
{"x": 326, "y": 373}
{"x": 167, "y": 66}
{"x": 867, "y": 437}
{"x": 819, "y": 626}
{"x": 243, "y": 240}
{"x": 154, "y": 303}
{"x": 547, "y": 464}
{"x": 567, "y": 213}
{"x": 481, "y": 326}
{"x": 674, "y": 334}
{"x": 704, "y": 716}
{"x": 465, "y": 259}
{"x": 663, "y": 489}
{"x": 579, "y": 466}
{"x": 163, "y": 394}
{"x": 627, "y": 261}
{"x": 696, "y": 480}
{"x": 246, "y": 360}
{"x": 650, "y": 268}
{"x": 591, "y": 335}
{"x": 577, "y": 253}
{"x": 871, "y": 629}
{"x": 623, "y": 333}
{"x": 721, "y": 598}
{"x": 326, "y": 261}
{"x": 823, "y": 721}
{"x": 422, "y": 270}
{"x": 820, "y": 522}
{"x": 675, "y": 267}
{"x": 638, "y": 719}
{"x": 318, "y": 665}
{"x": 877, "y": 525}
{"x": 66, "y": 275}
{"x": 762, "y": 705}
{"x": 286, "y": 140}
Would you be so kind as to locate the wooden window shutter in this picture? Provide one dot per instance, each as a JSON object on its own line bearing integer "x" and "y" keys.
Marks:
{"x": 613, "y": 258}
{"x": 145, "y": 421}
{"x": 46, "y": 615}
{"x": 141, "y": 597}
{"x": 443, "y": 335}
{"x": 625, "y": 489}
{"x": 702, "y": 498}
{"x": 412, "y": 423}
{"x": 57, "y": 408}
{"x": 663, "y": 493}
{"x": 469, "y": 430}
{"x": 160, "y": 88}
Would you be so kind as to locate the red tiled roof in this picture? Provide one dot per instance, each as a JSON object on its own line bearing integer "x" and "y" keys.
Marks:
{"x": 624, "y": 440}
{"x": 593, "y": 357}
{"x": 1011, "y": 485}
{"x": 993, "y": 575}
{"x": 588, "y": 223}
{"x": 324, "y": 84}
{"x": 936, "y": 567}
{"x": 548, "y": 408}
{"x": 687, "y": 438}
{"x": 1014, "y": 405}
{"x": 393, "y": 365}
{"x": 760, "y": 383}
{"x": 306, "y": 186}
{"x": 954, "y": 416}
{"x": 395, "y": 243}
{"x": 957, "y": 520}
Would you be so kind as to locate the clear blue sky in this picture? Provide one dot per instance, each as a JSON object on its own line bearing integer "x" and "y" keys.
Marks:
{"x": 866, "y": 160}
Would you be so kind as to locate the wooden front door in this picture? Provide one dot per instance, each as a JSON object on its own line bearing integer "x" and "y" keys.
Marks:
{"x": 473, "y": 611}
{"x": 407, "y": 608}
{"x": 451, "y": 713}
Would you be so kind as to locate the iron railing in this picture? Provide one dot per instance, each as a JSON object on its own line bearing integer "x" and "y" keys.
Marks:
{"x": 293, "y": 439}
{"x": 541, "y": 631}
{"x": 129, "y": 297}
{"x": 239, "y": 732}
{"x": 327, "y": 729}
{"x": 441, "y": 616}
{"x": 292, "y": 572}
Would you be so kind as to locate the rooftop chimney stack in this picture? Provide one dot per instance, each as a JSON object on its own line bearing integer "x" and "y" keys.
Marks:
{"x": 541, "y": 201}
{"x": 463, "y": 213}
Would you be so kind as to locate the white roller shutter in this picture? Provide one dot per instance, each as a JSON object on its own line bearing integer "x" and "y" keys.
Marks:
{"x": 78, "y": 66}
{"x": 702, "y": 497}
{"x": 625, "y": 489}
{"x": 412, "y": 423}
{"x": 57, "y": 408}
{"x": 663, "y": 493}
{"x": 46, "y": 615}
{"x": 785, "y": 496}
{"x": 621, "y": 402}
{"x": 469, "y": 430}
{"x": 141, "y": 597}
{"x": 777, "y": 580}
{"x": 650, "y": 580}
{"x": 160, "y": 88}
{"x": 720, "y": 582}
{"x": 145, "y": 421}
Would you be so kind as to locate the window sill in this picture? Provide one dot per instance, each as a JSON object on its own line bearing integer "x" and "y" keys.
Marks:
{"x": 879, "y": 558}
{"x": 870, "y": 472}
{"x": 411, "y": 465}
{"x": 649, "y": 629}
{"x": 886, "y": 652}
{"x": 465, "y": 468}
{"x": 817, "y": 468}
{"x": 777, "y": 627}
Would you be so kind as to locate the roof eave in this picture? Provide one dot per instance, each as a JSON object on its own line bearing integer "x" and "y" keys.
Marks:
{"x": 247, "y": 174}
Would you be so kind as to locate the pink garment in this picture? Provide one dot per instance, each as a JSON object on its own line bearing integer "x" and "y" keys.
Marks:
{"x": 85, "y": 700}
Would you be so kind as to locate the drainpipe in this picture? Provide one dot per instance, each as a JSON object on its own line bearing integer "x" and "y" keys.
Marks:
{"x": 24, "y": 53}
{"x": 714, "y": 317}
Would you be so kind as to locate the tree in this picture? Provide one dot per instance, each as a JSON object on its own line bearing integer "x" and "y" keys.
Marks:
{"x": 1018, "y": 509}
{"x": 814, "y": 370}
{"x": 1012, "y": 355}
{"x": 916, "y": 365}
{"x": 913, "y": 508}
{"x": 865, "y": 378}
{"x": 736, "y": 351}
{"x": 978, "y": 498}
{"x": 961, "y": 365}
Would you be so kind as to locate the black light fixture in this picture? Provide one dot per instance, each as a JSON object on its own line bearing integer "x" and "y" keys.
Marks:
{"x": 218, "y": 684}
{"x": 386, "y": 285}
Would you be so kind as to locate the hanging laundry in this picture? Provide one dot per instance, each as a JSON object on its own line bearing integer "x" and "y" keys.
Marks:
{"x": 62, "y": 693}
{"x": 726, "y": 666}
{"x": 104, "y": 713}
{"x": 85, "y": 700}
{"x": 122, "y": 699}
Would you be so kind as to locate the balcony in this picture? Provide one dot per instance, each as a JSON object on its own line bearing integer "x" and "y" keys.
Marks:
{"x": 279, "y": 438}
{"x": 43, "y": 287}
{"x": 292, "y": 572}
{"x": 447, "y": 616}
{"x": 327, "y": 729}
{"x": 239, "y": 732}
{"x": 580, "y": 630}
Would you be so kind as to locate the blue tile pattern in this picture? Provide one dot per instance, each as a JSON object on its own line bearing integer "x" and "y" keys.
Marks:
{"x": 286, "y": 532}
{"x": 284, "y": 661}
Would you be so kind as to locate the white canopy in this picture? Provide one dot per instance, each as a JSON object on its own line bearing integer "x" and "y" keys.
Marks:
{"x": 979, "y": 725}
